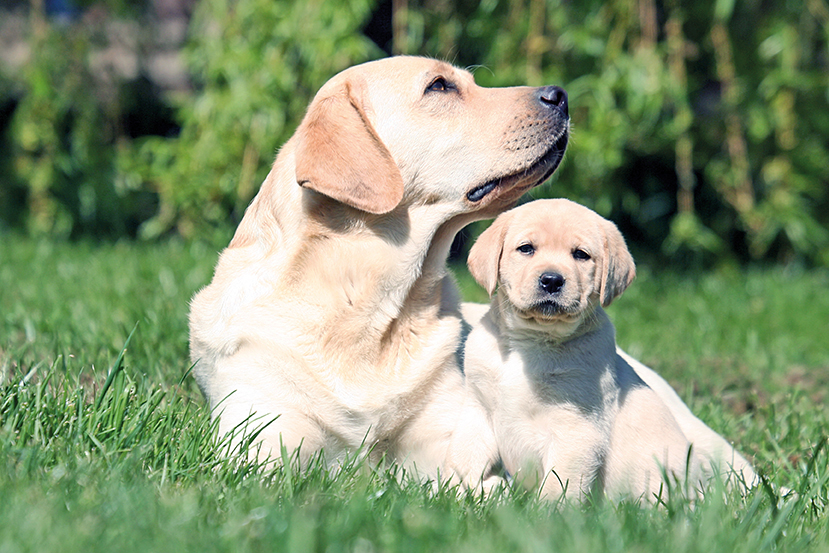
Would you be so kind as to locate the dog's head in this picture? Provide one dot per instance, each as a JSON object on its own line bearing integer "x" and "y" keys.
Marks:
{"x": 409, "y": 130}
{"x": 555, "y": 261}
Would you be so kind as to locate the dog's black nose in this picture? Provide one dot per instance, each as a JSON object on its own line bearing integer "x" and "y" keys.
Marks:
{"x": 551, "y": 282}
{"x": 554, "y": 96}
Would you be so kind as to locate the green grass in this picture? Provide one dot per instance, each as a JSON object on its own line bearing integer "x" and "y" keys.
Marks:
{"x": 107, "y": 448}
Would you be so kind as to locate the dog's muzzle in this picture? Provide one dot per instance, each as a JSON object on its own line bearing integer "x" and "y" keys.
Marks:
{"x": 555, "y": 109}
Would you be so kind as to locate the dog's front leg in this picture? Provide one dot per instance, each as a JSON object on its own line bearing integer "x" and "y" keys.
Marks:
{"x": 452, "y": 439}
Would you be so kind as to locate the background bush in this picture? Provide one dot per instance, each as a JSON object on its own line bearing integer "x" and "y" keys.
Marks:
{"x": 256, "y": 64}
{"x": 701, "y": 128}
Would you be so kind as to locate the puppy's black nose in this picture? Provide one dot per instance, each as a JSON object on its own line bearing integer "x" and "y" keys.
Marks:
{"x": 551, "y": 282}
{"x": 554, "y": 96}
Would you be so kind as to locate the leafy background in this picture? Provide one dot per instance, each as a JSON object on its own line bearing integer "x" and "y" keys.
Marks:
{"x": 701, "y": 128}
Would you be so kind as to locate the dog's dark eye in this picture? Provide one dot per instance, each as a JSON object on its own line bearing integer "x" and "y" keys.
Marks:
{"x": 527, "y": 249}
{"x": 580, "y": 254}
{"x": 440, "y": 85}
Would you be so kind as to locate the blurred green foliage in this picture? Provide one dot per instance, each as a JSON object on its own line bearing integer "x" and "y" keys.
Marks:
{"x": 256, "y": 64}
{"x": 701, "y": 128}
{"x": 61, "y": 144}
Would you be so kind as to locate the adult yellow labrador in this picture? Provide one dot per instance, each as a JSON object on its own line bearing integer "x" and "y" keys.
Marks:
{"x": 331, "y": 310}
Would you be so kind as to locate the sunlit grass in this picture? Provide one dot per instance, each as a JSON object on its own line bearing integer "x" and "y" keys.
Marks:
{"x": 106, "y": 444}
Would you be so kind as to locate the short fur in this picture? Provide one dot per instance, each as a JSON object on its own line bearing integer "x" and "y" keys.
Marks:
{"x": 331, "y": 310}
{"x": 568, "y": 412}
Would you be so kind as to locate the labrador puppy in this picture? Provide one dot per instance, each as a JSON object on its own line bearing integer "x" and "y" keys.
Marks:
{"x": 569, "y": 413}
{"x": 330, "y": 324}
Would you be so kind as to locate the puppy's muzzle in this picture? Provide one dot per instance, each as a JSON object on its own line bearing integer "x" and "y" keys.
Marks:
{"x": 550, "y": 302}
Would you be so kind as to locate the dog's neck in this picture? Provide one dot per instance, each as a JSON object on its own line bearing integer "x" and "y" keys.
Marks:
{"x": 363, "y": 285}
{"x": 548, "y": 335}
{"x": 577, "y": 369}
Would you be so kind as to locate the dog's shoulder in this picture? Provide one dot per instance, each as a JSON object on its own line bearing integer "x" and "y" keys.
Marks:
{"x": 473, "y": 313}
{"x": 481, "y": 327}
{"x": 484, "y": 354}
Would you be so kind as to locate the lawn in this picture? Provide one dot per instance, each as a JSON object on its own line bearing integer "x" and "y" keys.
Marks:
{"x": 110, "y": 448}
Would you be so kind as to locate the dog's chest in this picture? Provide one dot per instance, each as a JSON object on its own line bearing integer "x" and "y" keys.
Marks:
{"x": 539, "y": 388}
{"x": 545, "y": 377}
{"x": 374, "y": 398}
{"x": 551, "y": 405}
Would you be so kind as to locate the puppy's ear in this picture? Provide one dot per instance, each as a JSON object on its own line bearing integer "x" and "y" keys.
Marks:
{"x": 618, "y": 269}
{"x": 339, "y": 154}
{"x": 484, "y": 259}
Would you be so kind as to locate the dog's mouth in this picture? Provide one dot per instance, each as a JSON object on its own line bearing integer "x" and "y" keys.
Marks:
{"x": 552, "y": 311}
{"x": 552, "y": 321}
{"x": 529, "y": 177}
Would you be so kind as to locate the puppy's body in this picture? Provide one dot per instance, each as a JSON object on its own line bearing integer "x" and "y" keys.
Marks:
{"x": 571, "y": 415}
{"x": 568, "y": 411}
{"x": 330, "y": 315}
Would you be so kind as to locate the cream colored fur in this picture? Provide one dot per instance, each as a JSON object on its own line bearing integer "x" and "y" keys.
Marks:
{"x": 719, "y": 455}
{"x": 330, "y": 315}
{"x": 569, "y": 413}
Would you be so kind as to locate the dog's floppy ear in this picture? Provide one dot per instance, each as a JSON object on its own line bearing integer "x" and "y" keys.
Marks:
{"x": 618, "y": 269}
{"x": 484, "y": 259}
{"x": 339, "y": 154}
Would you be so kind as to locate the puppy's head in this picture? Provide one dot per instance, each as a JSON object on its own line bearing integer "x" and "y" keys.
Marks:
{"x": 555, "y": 261}
{"x": 419, "y": 131}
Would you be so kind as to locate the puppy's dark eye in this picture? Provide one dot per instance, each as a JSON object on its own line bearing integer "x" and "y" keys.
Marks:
{"x": 440, "y": 85}
{"x": 527, "y": 249}
{"x": 580, "y": 254}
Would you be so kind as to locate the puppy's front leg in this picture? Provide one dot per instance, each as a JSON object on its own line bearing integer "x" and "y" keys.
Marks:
{"x": 573, "y": 458}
